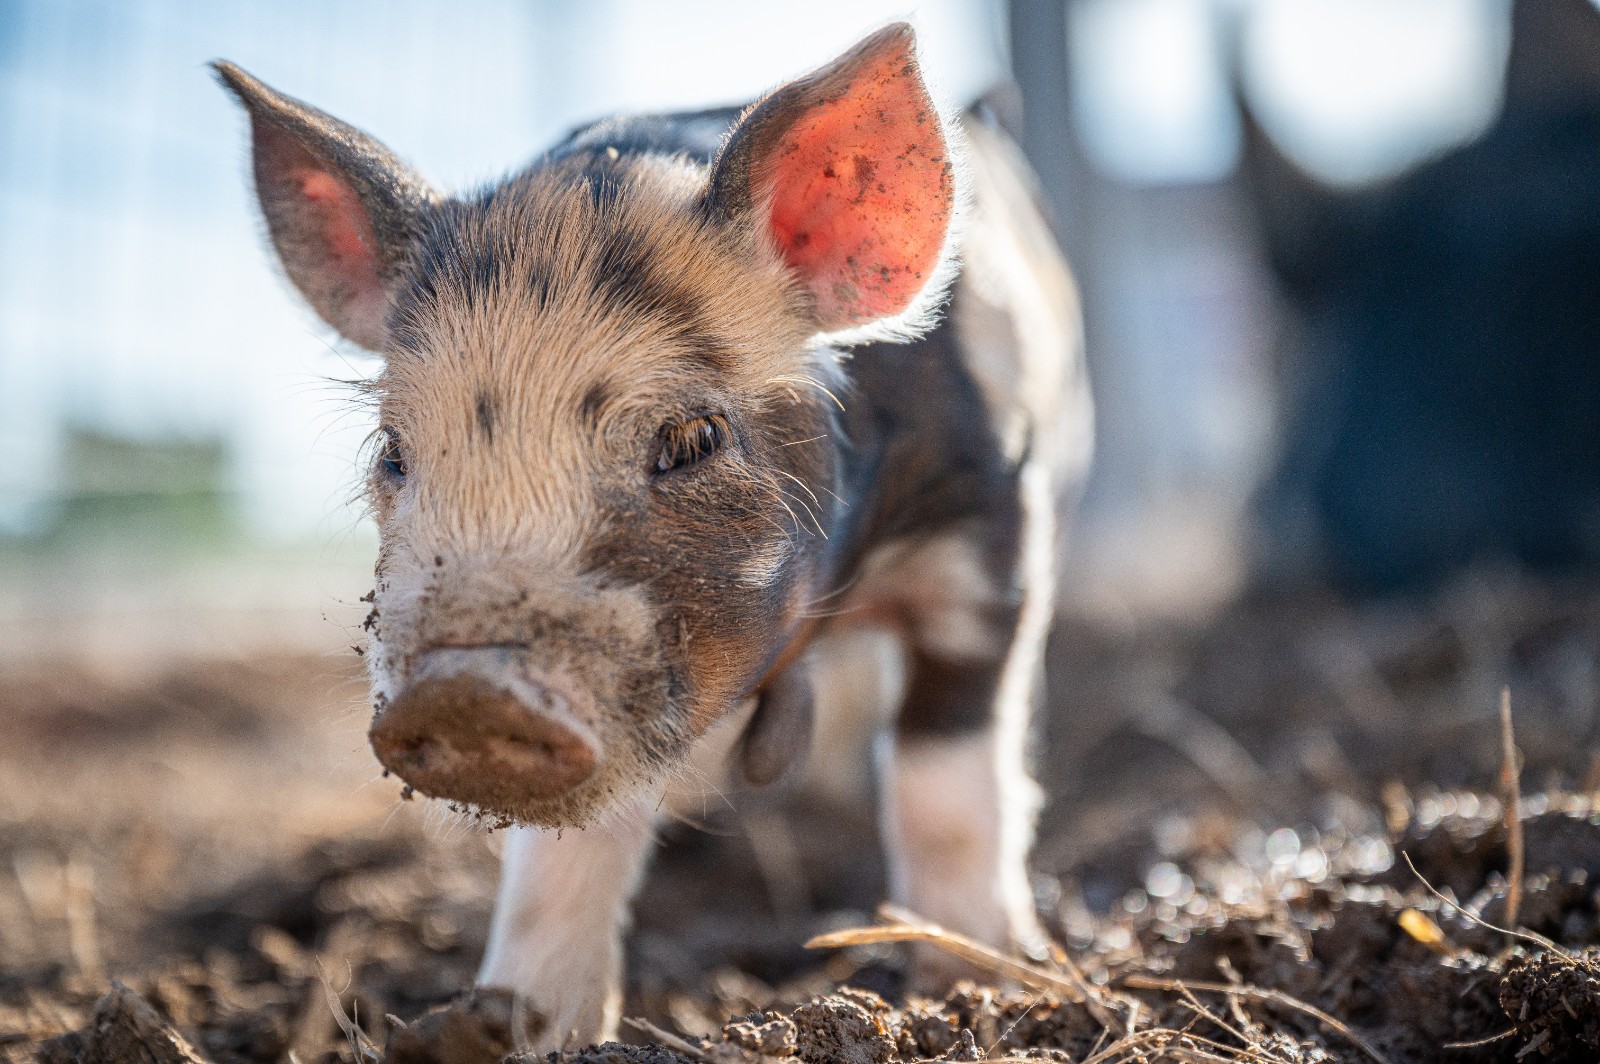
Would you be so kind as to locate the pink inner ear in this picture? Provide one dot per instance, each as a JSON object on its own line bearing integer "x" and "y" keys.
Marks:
{"x": 342, "y": 224}
{"x": 862, "y": 194}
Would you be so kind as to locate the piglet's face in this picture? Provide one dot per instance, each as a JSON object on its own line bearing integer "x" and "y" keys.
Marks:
{"x": 600, "y": 495}
{"x": 606, "y": 454}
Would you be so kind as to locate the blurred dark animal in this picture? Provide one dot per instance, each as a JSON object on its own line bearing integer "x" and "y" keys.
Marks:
{"x": 1448, "y": 406}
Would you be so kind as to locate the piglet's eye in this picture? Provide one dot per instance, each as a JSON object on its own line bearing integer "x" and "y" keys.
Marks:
{"x": 686, "y": 443}
{"x": 392, "y": 458}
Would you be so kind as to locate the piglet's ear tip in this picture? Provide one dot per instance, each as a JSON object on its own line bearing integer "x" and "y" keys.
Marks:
{"x": 900, "y": 32}
{"x": 250, "y": 91}
{"x": 232, "y": 77}
{"x": 255, "y": 95}
{"x": 896, "y": 40}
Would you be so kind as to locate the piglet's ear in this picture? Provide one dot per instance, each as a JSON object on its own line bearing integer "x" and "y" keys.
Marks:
{"x": 849, "y": 170}
{"x": 341, "y": 208}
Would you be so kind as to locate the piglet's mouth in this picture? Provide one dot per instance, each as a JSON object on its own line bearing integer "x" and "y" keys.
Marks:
{"x": 469, "y": 730}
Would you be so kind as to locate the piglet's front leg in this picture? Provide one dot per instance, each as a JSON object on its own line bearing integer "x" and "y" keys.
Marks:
{"x": 556, "y": 937}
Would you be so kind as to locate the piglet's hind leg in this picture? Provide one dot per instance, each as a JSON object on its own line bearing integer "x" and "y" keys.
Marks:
{"x": 959, "y": 813}
{"x": 958, "y": 802}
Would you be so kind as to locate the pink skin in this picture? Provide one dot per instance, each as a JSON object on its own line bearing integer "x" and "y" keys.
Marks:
{"x": 344, "y": 228}
{"x": 861, "y": 191}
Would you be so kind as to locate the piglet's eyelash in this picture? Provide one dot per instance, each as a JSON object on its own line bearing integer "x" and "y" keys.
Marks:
{"x": 686, "y": 443}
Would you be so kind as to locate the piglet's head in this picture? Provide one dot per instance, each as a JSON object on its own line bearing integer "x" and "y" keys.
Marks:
{"x": 606, "y": 454}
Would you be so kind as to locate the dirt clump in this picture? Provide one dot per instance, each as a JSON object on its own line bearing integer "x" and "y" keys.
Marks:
{"x": 612, "y": 1053}
{"x": 1554, "y": 1000}
{"x": 483, "y": 1024}
{"x": 769, "y": 1034}
{"x": 845, "y": 1028}
{"x": 123, "y": 1028}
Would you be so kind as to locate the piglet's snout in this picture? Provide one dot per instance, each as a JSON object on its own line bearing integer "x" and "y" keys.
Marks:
{"x": 472, "y": 728}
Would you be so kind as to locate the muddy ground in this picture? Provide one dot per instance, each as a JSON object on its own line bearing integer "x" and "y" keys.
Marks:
{"x": 1232, "y": 806}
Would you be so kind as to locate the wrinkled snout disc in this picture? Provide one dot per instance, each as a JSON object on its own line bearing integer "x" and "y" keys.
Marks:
{"x": 466, "y": 739}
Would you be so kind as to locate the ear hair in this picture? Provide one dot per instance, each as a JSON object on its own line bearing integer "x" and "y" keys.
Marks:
{"x": 342, "y": 209}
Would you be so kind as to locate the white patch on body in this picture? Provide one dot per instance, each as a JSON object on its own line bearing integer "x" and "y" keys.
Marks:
{"x": 1021, "y": 321}
{"x": 957, "y": 822}
{"x": 959, "y": 812}
{"x": 940, "y": 589}
{"x": 564, "y": 900}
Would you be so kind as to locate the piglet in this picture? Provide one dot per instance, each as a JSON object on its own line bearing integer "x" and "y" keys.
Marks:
{"x": 672, "y": 429}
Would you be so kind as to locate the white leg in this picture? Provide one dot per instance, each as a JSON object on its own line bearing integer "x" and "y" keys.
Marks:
{"x": 958, "y": 823}
{"x": 959, "y": 809}
{"x": 556, "y": 937}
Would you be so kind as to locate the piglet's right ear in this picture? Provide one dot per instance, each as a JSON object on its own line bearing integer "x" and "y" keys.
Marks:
{"x": 342, "y": 209}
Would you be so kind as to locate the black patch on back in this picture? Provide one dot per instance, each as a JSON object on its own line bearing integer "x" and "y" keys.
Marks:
{"x": 922, "y": 459}
{"x": 695, "y": 135}
{"x": 922, "y": 450}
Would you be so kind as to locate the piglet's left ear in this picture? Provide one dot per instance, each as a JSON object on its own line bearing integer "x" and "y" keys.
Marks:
{"x": 849, "y": 170}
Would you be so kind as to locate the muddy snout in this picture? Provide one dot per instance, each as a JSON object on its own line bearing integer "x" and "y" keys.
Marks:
{"x": 474, "y": 726}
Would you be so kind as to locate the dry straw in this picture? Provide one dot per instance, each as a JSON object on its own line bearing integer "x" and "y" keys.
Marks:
{"x": 1106, "y": 1005}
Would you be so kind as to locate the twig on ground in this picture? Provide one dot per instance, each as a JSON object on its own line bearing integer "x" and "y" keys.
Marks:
{"x": 361, "y": 1045}
{"x": 1200, "y": 1010}
{"x": 1480, "y": 1043}
{"x": 1182, "y": 1045}
{"x": 908, "y": 928}
{"x": 1527, "y": 936}
{"x": 905, "y": 926}
{"x": 1033, "y": 1000}
{"x": 666, "y": 1038}
{"x": 1091, "y": 995}
{"x": 1512, "y": 789}
{"x": 1256, "y": 993}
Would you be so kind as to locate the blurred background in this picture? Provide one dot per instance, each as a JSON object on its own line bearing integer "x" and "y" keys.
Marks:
{"x": 1341, "y": 269}
{"x": 1338, "y": 257}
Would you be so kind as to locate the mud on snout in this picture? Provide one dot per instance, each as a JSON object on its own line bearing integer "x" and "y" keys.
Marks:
{"x": 548, "y": 713}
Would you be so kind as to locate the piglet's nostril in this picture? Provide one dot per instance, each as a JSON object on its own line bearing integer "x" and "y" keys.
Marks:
{"x": 467, "y": 739}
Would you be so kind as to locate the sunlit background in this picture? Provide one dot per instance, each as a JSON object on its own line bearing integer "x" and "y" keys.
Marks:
{"x": 175, "y": 436}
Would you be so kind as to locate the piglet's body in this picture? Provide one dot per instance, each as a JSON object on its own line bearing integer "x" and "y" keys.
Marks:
{"x": 676, "y": 448}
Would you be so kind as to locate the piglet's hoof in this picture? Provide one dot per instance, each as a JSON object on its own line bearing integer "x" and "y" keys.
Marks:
{"x": 479, "y": 1027}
